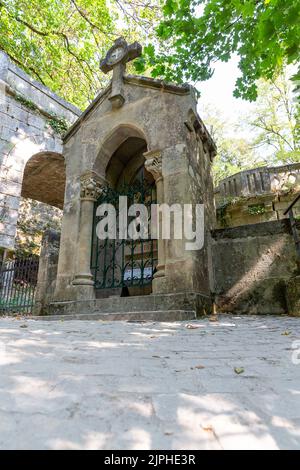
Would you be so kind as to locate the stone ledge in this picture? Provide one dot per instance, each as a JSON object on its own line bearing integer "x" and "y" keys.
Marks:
{"x": 157, "y": 316}
{"x": 145, "y": 303}
{"x": 275, "y": 227}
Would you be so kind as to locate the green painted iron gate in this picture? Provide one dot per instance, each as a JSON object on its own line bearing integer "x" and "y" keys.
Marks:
{"x": 120, "y": 263}
{"x": 18, "y": 280}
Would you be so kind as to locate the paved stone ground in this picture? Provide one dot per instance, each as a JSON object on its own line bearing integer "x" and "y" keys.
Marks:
{"x": 109, "y": 385}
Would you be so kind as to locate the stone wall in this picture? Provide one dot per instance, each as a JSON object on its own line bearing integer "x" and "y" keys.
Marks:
{"x": 26, "y": 110}
{"x": 34, "y": 219}
{"x": 251, "y": 267}
{"x": 47, "y": 271}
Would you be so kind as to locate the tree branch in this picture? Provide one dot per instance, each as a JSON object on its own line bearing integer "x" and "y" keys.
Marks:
{"x": 23, "y": 66}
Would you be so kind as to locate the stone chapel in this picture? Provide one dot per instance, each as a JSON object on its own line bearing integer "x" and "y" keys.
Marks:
{"x": 141, "y": 138}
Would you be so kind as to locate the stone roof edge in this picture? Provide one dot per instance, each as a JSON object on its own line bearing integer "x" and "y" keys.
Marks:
{"x": 147, "y": 82}
{"x": 12, "y": 67}
{"x": 85, "y": 113}
{"x": 136, "y": 80}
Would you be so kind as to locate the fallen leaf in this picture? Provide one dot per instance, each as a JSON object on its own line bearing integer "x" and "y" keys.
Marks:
{"x": 199, "y": 367}
{"x": 286, "y": 333}
{"x": 239, "y": 370}
{"x": 189, "y": 326}
{"x": 208, "y": 428}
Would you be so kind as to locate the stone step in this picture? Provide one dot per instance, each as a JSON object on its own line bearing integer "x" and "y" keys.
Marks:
{"x": 145, "y": 303}
{"x": 154, "y": 315}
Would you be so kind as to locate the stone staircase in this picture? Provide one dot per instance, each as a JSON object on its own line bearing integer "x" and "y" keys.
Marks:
{"x": 162, "y": 307}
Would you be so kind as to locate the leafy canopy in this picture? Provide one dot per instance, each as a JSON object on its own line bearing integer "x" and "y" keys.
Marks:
{"x": 60, "y": 42}
{"x": 275, "y": 122}
{"x": 268, "y": 135}
{"x": 194, "y": 34}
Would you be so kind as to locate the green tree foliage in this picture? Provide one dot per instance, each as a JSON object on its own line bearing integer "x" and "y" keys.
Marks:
{"x": 276, "y": 121}
{"x": 196, "y": 33}
{"x": 60, "y": 42}
{"x": 235, "y": 152}
{"x": 34, "y": 218}
{"x": 271, "y": 130}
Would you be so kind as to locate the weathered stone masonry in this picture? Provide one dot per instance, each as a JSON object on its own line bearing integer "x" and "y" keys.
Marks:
{"x": 253, "y": 265}
{"x": 247, "y": 268}
{"x": 26, "y": 107}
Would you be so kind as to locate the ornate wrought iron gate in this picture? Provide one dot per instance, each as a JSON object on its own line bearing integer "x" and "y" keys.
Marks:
{"x": 124, "y": 262}
{"x": 18, "y": 279}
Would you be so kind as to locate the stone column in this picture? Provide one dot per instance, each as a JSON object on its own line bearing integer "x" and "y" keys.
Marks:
{"x": 153, "y": 164}
{"x": 89, "y": 193}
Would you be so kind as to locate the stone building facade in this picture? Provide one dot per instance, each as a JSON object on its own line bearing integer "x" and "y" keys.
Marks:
{"x": 31, "y": 161}
{"x": 140, "y": 132}
{"x": 137, "y": 126}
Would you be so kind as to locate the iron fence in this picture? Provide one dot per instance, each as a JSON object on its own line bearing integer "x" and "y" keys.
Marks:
{"x": 18, "y": 280}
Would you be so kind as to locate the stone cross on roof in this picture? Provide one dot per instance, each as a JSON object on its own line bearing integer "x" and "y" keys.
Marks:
{"x": 116, "y": 58}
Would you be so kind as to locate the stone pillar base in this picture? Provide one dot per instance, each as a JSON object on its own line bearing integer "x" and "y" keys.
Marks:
{"x": 86, "y": 292}
{"x": 83, "y": 279}
{"x": 160, "y": 271}
{"x": 293, "y": 296}
{"x": 160, "y": 285}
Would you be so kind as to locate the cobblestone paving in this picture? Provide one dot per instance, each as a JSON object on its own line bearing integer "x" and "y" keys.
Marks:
{"x": 109, "y": 385}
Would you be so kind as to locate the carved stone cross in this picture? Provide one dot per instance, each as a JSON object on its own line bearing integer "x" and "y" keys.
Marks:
{"x": 116, "y": 58}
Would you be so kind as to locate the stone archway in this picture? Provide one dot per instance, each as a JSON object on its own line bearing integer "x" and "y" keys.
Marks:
{"x": 41, "y": 201}
{"x": 124, "y": 267}
{"x": 123, "y": 135}
{"x": 44, "y": 179}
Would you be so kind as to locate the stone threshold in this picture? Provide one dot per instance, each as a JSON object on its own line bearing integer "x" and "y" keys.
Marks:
{"x": 146, "y": 316}
{"x": 186, "y": 302}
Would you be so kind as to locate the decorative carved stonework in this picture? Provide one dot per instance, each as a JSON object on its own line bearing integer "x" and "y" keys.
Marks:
{"x": 153, "y": 164}
{"x": 120, "y": 52}
{"x": 91, "y": 186}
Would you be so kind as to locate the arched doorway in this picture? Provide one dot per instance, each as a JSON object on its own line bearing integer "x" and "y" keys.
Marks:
{"x": 125, "y": 266}
{"x": 44, "y": 179}
{"x": 42, "y": 200}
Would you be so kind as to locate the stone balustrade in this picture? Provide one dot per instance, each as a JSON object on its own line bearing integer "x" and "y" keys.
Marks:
{"x": 263, "y": 180}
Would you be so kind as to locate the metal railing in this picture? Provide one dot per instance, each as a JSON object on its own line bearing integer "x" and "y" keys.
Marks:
{"x": 18, "y": 279}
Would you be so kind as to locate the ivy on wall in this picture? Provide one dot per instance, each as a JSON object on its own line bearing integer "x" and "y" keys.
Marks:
{"x": 256, "y": 209}
{"x": 58, "y": 123}
{"x": 26, "y": 102}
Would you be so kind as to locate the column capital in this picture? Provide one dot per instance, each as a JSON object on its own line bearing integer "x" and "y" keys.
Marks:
{"x": 153, "y": 164}
{"x": 91, "y": 186}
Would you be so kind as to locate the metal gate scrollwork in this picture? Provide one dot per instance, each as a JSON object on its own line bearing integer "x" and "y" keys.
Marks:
{"x": 120, "y": 262}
